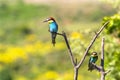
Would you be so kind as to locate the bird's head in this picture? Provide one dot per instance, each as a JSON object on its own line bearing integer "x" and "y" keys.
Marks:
{"x": 94, "y": 54}
{"x": 50, "y": 20}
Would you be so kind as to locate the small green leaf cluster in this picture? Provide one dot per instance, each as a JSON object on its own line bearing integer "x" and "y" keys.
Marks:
{"x": 113, "y": 27}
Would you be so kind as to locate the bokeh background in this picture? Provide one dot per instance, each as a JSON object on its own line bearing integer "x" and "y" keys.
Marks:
{"x": 26, "y": 52}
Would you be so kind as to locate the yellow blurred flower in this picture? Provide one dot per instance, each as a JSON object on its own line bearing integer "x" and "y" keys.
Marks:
{"x": 29, "y": 48}
{"x": 60, "y": 45}
{"x": 68, "y": 76}
{"x": 20, "y": 78}
{"x": 76, "y": 35}
{"x": 5, "y": 58}
{"x": 12, "y": 53}
{"x": 49, "y": 75}
{"x": 16, "y": 52}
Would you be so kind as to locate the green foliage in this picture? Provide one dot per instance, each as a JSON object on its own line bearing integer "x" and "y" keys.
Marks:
{"x": 17, "y": 20}
{"x": 113, "y": 46}
{"x": 113, "y": 42}
{"x": 5, "y": 74}
{"x": 112, "y": 57}
{"x": 114, "y": 25}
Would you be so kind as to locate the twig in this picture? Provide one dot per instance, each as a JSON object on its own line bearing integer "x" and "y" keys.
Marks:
{"x": 107, "y": 72}
{"x": 56, "y": 33}
{"x": 96, "y": 67}
{"x": 59, "y": 34}
{"x": 90, "y": 45}
{"x": 77, "y": 66}
{"x": 101, "y": 67}
{"x": 69, "y": 49}
{"x": 102, "y": 61}
{"x": 102, "y": 55}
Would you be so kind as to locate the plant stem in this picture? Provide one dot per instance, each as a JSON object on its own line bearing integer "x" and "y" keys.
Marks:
{"x": 102, "y": 61}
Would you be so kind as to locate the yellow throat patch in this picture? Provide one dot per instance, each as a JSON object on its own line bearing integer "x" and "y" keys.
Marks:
{"x": 50, "y": 21}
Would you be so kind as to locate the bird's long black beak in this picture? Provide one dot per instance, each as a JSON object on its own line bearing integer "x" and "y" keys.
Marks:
{"x": 46, "y": 20}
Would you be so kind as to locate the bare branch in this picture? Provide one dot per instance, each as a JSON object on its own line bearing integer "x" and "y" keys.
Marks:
{"x": 102, "y": 61}
{"x": 107, "y": 72}
{"x": 96, "y": 67}
{"x": 74, "y": 63}
{"x": 102, "y": 55}
{"x": 101, "y": 67}
{"x": 75, "y": 73}
{"x": 90, "y": 45}
{"x": 59, "y": 34}
{"x": 56, "y": 33}
{"x": 69, "y": 49}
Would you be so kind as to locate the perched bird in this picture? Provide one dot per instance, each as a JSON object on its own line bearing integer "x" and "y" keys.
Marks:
{"x": 93, "y": 59}
{"x": 53, "y": 28}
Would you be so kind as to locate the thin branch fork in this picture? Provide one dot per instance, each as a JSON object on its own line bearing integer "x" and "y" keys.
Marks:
{"x": 91, "y": 43}
{"x": 75, "y": 64}
{"x": 101, "y": 67}
{"x": 69, "y": 49}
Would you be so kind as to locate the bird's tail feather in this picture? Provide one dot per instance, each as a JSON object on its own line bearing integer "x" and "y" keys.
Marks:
{"x": 90, "y": 67}
{"x": 53, "y": 38}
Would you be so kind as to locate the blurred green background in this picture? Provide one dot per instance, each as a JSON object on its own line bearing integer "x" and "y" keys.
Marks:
{"x": 26, "y": 52}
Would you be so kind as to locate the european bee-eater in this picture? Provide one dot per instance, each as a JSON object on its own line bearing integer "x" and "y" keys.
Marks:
{"x": 53, "y": 28}
{"x": 93, "y": 59}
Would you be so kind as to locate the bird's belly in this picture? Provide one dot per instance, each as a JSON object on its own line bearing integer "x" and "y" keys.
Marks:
{"x": 53, "y": 28}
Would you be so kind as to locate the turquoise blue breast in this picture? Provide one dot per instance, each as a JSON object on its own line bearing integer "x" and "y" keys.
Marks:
{"x": 53, "y": 27}
{"x": 93, "y": 59}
